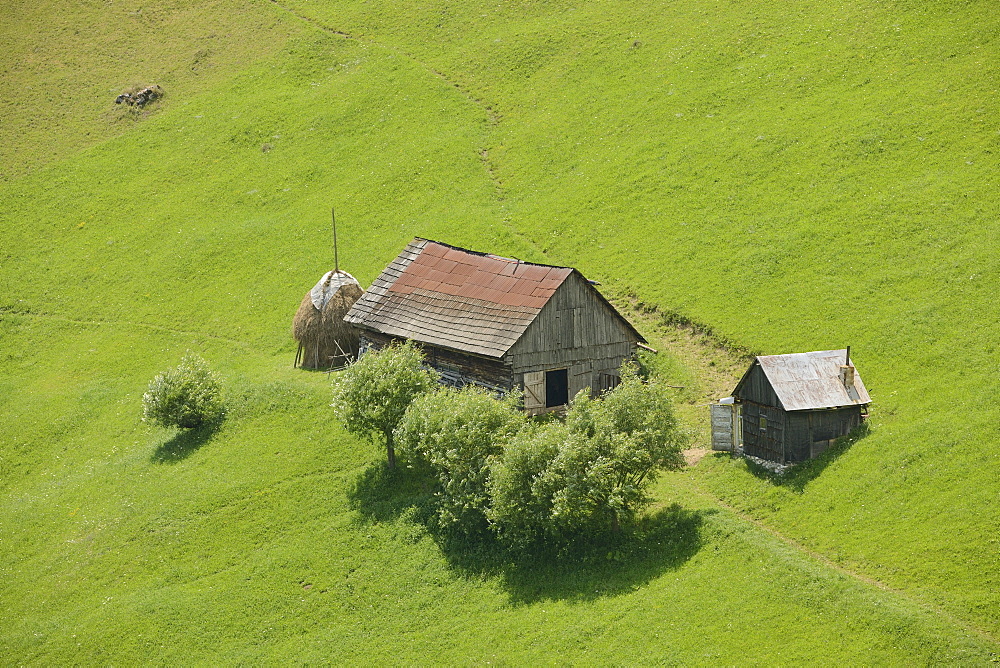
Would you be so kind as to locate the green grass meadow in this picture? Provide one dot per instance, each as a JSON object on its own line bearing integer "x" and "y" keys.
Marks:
{"x": 783, "y": 177}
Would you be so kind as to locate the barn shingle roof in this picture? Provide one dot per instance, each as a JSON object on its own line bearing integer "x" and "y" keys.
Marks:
{"x": 809, "y": 381}
{"x": 456, "y": 298}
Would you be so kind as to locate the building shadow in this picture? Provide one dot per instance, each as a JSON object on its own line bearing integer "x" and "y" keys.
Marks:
{"x": 184, "y": 443}
{"x": 798, "y": 476}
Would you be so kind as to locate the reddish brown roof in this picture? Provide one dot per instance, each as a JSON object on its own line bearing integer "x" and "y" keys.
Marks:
{"x": 457, "y": 298}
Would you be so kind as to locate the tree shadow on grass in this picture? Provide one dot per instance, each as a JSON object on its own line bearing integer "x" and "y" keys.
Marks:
{"x": 381, "y": 494}
{"x": 592, "y": 566}
{"x": 797, "y": 477}
{"x": 599, "y": 565}
{"x": 184, "y": 443}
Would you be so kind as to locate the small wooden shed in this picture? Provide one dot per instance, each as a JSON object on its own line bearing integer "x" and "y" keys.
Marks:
{"x": 793, "y": 407}
{"x": 498, "y": 322}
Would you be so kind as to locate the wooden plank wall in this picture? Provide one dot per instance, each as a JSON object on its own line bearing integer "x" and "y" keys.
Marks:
{"x": 456, "y": 369}
{"x": 574, "y": 331}
{"x": 768, "y": 443}
{"x": 757, "y": 388}
{"x": 810, "y": 433}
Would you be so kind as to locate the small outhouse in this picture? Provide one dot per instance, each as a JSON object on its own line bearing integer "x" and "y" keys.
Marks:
{"x": 793, "y": 407}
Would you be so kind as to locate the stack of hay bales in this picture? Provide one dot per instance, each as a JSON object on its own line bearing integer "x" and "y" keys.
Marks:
{"x": 325, "y": 340}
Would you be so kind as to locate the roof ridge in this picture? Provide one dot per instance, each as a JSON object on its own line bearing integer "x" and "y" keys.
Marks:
{"x": 491, "y": 255}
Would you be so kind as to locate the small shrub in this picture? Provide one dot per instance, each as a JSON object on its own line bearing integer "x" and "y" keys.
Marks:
{"x": 185, "y": 397}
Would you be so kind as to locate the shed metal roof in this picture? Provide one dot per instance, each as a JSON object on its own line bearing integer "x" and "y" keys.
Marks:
{"x": 457, "y": 298}
{"x": 809, "y": 381}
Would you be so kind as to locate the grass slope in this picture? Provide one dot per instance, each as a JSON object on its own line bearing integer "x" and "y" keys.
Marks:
{"x": 796, "y": 179}
{"x": 62, "y": 67}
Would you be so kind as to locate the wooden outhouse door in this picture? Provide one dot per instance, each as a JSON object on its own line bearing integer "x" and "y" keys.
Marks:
{"x": 534, "y": 391}
{"x": 723, "y": 427}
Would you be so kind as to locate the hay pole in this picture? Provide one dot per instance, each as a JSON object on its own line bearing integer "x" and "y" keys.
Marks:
{"x": 336, "y": 260}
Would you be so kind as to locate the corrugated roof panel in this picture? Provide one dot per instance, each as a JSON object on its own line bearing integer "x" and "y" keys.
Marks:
{"x": 464, "y": 269}
{"x": 444, "y": 265}
{"x": 809, "y": 381}
{"x": 503, "y": 283}
{"x": 531, "y": 272}
{"x": 535, "y": 302}
{"x": 519, "y": 300}
{"x": 455, "y": 255}
{"x": 435, "y": 250}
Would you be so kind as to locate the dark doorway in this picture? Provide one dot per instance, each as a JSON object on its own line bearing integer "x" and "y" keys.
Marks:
{"x": 556, "y": 388}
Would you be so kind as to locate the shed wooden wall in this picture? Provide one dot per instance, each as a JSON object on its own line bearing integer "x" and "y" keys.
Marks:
{"x": 810, "y": 433}
{"x": 757, "y": 388}
{"x": 767, "y": 443}
{"x": 577, "y": 331}
{"x": 789, "y": 436}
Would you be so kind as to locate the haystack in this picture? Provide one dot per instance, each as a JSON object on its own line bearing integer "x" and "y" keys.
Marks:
{"x": 325, "y": 340}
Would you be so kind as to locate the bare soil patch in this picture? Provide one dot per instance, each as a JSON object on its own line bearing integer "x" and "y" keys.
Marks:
{"x": 694, "y": 455}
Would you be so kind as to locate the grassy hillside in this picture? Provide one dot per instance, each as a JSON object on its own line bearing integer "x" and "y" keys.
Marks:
{"x": 794, "y": 179}
{"x": 62, "y": 67}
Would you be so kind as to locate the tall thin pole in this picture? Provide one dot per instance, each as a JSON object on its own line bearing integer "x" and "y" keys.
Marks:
{"x": 336, "y": 260}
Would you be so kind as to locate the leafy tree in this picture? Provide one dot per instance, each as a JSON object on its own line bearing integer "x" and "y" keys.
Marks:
{"x": 371, "y": 396}
{"x": 186, "y": 397}
{"x": 456, "y": 432}
{"x": 631, "y": 434}
{"x": 591, "y": 472}
{"x": 522, "y": 484}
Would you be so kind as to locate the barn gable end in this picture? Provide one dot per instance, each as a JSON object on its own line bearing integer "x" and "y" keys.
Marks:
{"x": 579, "y": 331}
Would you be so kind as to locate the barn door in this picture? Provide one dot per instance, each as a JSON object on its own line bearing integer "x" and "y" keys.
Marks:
{"x": 534, "y": 391}
{"x": 556, "y": 388}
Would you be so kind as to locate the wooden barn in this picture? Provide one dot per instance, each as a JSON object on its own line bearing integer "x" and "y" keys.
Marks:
{"x": 497, "y": 322}
{"x": 792, "y": 407}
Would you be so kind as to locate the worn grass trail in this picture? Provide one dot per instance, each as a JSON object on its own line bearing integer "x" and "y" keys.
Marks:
{"x": 937, "y": 611}
{"x": 491, "y": 116}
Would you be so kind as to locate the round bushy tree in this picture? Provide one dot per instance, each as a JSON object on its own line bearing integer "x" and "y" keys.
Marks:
{"x": 522, "y": 483}
{"x": 186, "y": 397}
{"x": 371, "y": 396}
{"x": 457, "y": 432}
{"x": 591, "y": 472}
{"x": 631, "y": 435}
